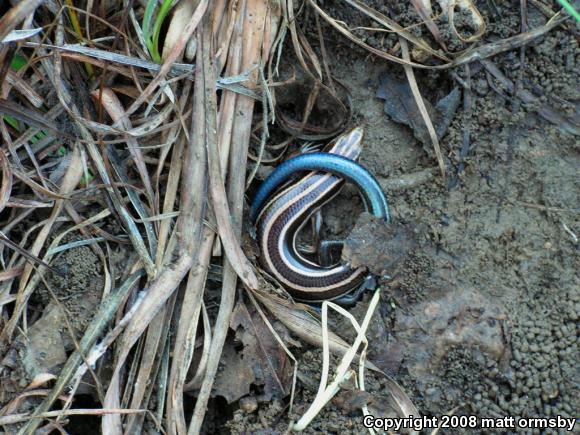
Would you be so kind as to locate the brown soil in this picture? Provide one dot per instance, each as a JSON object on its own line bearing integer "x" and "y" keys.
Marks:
{"x": 482, "y": 317}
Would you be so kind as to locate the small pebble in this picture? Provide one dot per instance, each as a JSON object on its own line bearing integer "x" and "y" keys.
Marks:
{"x": 248, "y": 404}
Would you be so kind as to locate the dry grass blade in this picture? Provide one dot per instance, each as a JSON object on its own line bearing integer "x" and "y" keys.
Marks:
{"x": 100, "y": 321}
{"x": 334, "y": 23}
{"x": 25, "y": 89}
{"x": 176, "y": 69}
{"x": 185, "y": 339}
{"x": 236, "y": 257}
{"x": 67, "y": 101}
{"x": 493, "y": 48}
{"x": 421, "y": 106}
{"x": 183, "y": 12}
{"x": 465, "y": 6}
{"x": 115, "y": 110}
{"x": 19, "y": 35}
{"x": 151, "y": 358}
{"x": 208, "y": 132}
{"x": 41, "y": 190}
{"x": 16, "y": 15}
{"x": 139, "y": 170}
{"x": 255, "y": 12}
{"x": 5, "y": 276}
{"x": 227, "y": 106}
{"x": 300, "y": 320}
{"x": 20, "y": 418}
{"x": 423, "y": 8}
{"x": 471, "y": 55}
{"x": 171, "y": 57}
{"x": 6, "y": 187}
{"x": 33, "y": 259}
{"x": 189, "y": 226}
{"x": 392, "y": 25}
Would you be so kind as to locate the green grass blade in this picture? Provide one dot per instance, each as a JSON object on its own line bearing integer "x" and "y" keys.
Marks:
{"x": 163, "y": 11}
{"x": 566, "y": 5}
{"x": 147, "y": 17}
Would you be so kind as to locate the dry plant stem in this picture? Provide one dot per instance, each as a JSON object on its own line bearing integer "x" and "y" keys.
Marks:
{"x": 189, "y": 232}
{"x": 195, "y": 382}
{"x": 326, "y": 393}
{"x": 425, "y": 15}
{"x": 421, "y": 105}
{"x": 398, "y": 396}
{"x": 99, "y": 164}
{"x": 228, "y": 236}
{"x": 373, "y": 50}
{"x": 100, "y": 348}
{"x": 224, "y": 35}
{"x": 183, "y": 12}
{"x": 32, "y": 390}
{"x": 161, "y": 287}
{"x": 227, "y": 107}
{"x": 507, "y": 44}
{"x": 6, "y": 55}
{"x": 254, "y": 12}
{"x": 157, "y": 330}
{"x": 33, "y": 118}
{"x": 155, "y": 342}
{"x": 100, "y": 321}
{"x": 301, "y": 322}
{"x": 113, "y": 106}
{"x": 226, "y": 114}
{"x": 184, "y": 346}
{"x": 16, "y": 15}
{"x": 24, "y": 88}
{"x": 205, "y": 89}
{"x": 218, "y": 18}
{"x": 171, "y": 187}
{"x": 7, "y": 180}
{"x": 471, "y": 55}
{"x": 31, "y": 258}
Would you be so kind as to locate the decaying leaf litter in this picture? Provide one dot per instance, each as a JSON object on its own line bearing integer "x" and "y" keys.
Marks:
{"x": 119, "y": 172}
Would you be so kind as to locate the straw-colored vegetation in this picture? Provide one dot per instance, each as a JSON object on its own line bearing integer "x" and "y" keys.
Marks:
{"x": 138, "y": 127}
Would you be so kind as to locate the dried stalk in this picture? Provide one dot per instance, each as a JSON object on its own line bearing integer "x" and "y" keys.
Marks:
{"x": 255, "y": 12}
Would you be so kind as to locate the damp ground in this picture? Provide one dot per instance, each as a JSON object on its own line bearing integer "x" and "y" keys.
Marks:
{"x": 481, "y": 317}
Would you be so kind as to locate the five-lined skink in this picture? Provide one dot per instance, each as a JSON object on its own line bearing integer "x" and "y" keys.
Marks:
{"x": 281, "y": 216}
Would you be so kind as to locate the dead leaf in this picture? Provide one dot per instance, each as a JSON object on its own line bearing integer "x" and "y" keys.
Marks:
{"x": 261, "y": 350}
{"x": 390, "y": 357}
{"x": 234, "y": 381}
{"x": 401, "y": 106}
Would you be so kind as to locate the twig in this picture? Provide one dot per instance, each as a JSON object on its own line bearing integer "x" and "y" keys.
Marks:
{"x": 421, "y": 106}
{"x": 466, "y": 144}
